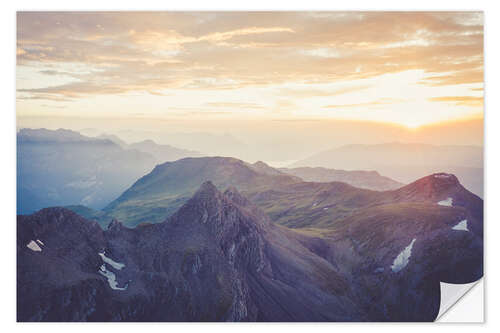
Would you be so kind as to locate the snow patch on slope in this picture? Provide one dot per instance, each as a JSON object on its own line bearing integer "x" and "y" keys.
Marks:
{"x": 462, "y": 225}
{"x": 403, "y": 258}
{"x": 111, "y": 278}
{"x": 33, "y": 246}
{"x": 113, "y": 284}
{"x": 448, "y": 202}
{"x": 114, "y": 264}
{"x": 443, "y": 175}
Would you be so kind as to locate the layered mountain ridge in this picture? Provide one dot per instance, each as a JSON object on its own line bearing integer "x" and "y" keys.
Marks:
{"x": 62, "y": 167}
{"x": 220, "y": 239}
{"x": 219, "y": 257}
{"x": 405, "y": 162}
{"x": 370, "y": 180}
{"x": 287, "y": 199}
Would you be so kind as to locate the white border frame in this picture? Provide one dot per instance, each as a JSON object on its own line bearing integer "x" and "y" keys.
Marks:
{"x": 8, "y": 198}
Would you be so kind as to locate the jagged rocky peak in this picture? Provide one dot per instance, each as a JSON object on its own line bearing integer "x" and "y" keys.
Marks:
{"x": 205, "y": 204}
{"x": 207, "y": 190}
{"x": 237, "y": 229}
{"x": 208, "y": 203}
{"x": 115, "y": 225}
{"x": 235, "y": 196}
{"x": 220, "y": 211}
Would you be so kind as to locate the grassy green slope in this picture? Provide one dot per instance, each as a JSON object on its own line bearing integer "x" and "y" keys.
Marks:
{"x": 91, "y": 214}
{"x": 160, "y": 193}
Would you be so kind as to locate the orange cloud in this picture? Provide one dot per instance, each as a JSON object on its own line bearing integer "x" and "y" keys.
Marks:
{"x": 459, "y": 100}
{"x": 307, "y": 93}
{"x": 382, "y": 101}
{"x": 234, "y": 105}
{"x": 152, "y": 51}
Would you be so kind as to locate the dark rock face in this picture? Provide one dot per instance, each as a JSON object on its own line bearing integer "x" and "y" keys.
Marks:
{"x": 370, "y": 246}
{"x": 220, "y": 258}
{"x": 61, "y": 275}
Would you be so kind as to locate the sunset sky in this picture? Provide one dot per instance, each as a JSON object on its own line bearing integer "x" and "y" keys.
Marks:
{"x": 404, "y": 68}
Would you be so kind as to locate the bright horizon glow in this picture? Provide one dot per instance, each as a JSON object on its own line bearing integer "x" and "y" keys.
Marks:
{"x": 236, "y": 65}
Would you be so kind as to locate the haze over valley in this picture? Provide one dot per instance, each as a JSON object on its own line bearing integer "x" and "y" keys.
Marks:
{"x": 64, "y": 167}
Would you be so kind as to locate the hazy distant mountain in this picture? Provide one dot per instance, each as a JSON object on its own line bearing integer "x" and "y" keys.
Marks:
{"x": 222, "y": 144}
{"x": 262, "y": 167}
{"x": 63, "y": 167}
{"x": 89, "y": 131}
{"x": 163, "y": 153}
{"x": 214, "y": 144}
{"x": 406, "y": 162}
{"x": 58, "y": 168}
{"x": 114, "y": 139}
{"x": 357, "y": 155}
{"x": 42, "y": 135}
{"x": 371, "y": 180}
{"x": 220, "y": 258}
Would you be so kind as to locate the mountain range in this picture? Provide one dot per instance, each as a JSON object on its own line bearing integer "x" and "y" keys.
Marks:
{"x": 277, "y": 141}
{"x": 406, "y": 162}
{"x": 63, "y": 167}
{"x": 161, "y": 152}
{"x": 220, "y": 239}
{"x": 211, "y": 142}
{"x": 371, "y": 180}
{"x": 287, "y": 199}
{"x": 221, "y": 258}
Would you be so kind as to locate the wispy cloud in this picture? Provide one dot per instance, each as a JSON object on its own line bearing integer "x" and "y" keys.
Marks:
{"x": 382, "y": 101}
{"x": 234, "y": 105}
{"x": 154, "y": 51}
{"x": 307, "y": 93}
{"x": 459, "y": 100}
